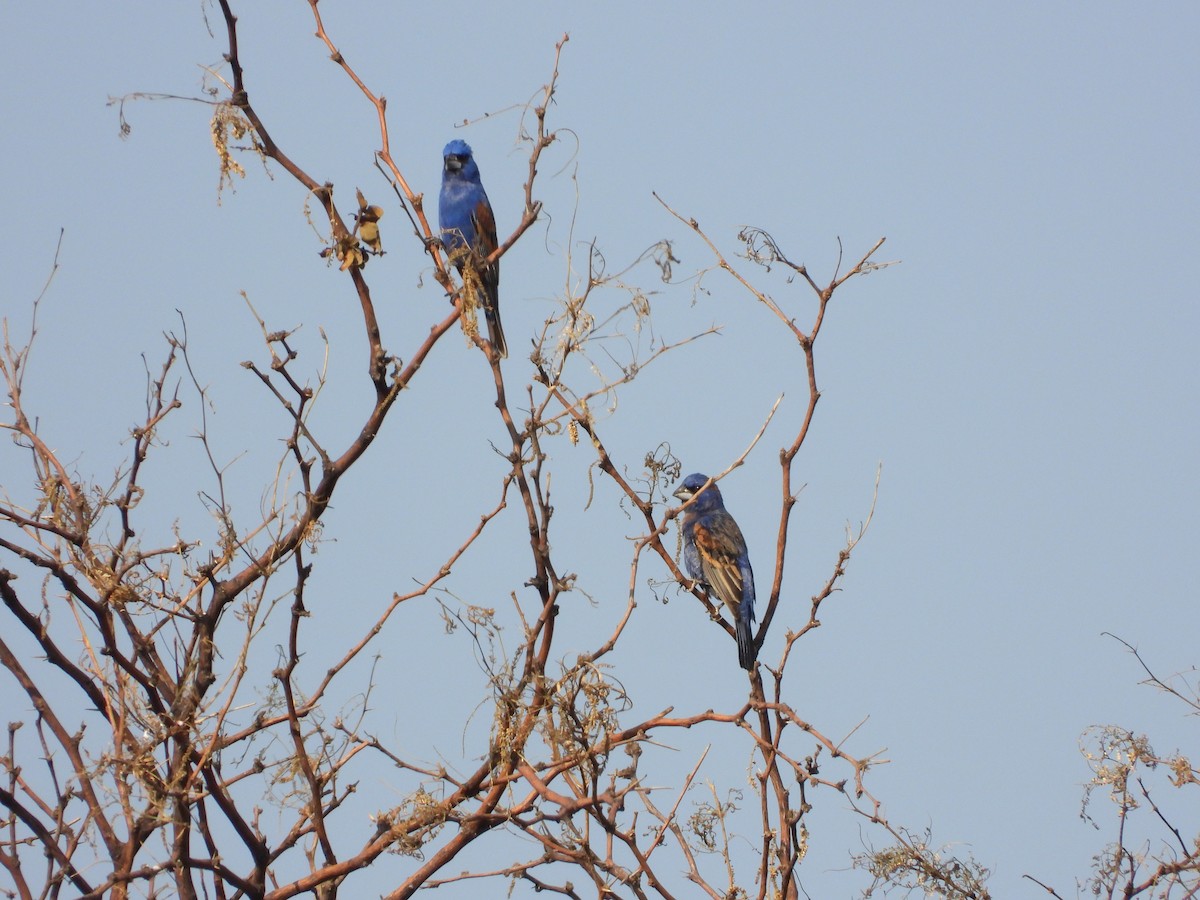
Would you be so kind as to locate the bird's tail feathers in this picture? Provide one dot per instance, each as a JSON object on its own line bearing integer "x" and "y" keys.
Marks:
{"x": 745, "y": 642}
{"x": 496, "y": 332}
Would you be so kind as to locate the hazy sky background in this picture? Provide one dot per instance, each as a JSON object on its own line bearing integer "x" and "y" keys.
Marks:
{"x": 1027, "y": 376}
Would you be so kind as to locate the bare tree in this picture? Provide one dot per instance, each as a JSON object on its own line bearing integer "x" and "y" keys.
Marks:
{"x": 160, "y": 755}
{"x": 1149, "y": 853}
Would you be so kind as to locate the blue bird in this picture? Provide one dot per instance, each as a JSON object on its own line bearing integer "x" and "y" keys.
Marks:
{"x": 716, "y": 556}
{"x": 469, "y": 231}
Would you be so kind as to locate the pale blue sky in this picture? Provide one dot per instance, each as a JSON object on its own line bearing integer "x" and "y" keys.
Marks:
{"x": 1027, "y": 376}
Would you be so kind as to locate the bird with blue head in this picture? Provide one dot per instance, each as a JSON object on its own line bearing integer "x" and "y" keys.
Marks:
{"x": 468, "y": 231}
{"x": 715, "y": 554}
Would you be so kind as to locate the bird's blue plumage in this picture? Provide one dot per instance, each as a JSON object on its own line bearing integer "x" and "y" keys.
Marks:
{"x": 468, "y": 230}
{"x": 715, "y": 554}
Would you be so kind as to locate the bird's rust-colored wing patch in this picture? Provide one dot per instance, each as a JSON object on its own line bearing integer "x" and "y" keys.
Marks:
{"x": 719, "y": 559}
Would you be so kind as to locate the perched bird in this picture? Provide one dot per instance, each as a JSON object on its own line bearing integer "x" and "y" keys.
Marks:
{"x": 716, "y": 556}
{"x": 467, "y": 224}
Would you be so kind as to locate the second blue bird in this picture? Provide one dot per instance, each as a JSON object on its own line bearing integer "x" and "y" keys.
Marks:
{"x": 715, "y": 554}
{"x": 467, "y": 223}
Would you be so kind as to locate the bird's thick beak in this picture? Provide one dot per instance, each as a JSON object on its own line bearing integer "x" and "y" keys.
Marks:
{"x": 453, "y": 163}
{"x": 683, "y": 494}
